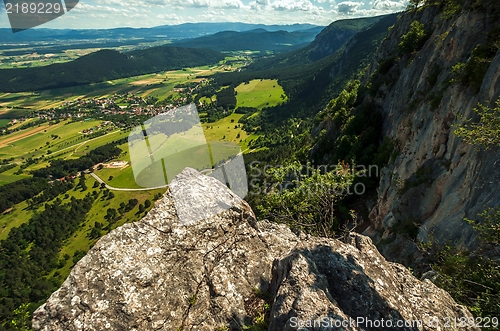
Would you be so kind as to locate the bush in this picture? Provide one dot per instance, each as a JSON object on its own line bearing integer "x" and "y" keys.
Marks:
{"x": 414, "y": 39}
{"x": 307, "y": 201}
{"x": 472, "y": 73}
{"x": 486, "y": 132}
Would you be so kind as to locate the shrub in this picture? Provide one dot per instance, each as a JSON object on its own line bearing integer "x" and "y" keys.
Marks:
{"x": 472, "y": 73}
{"x": 486, "y": 132}
{"x": 307, "y": 201}
{"x": 414, "y": 39}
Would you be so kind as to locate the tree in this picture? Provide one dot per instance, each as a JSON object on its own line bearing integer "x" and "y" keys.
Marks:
{"x": 147, "y": 203}
{"x": 414, "y": 4}
{"x": 22, "y": 318}
{"x": 473, "y": 278}
{"x": 110, "y": 214}
{"x": 485, "y": 132}
{"x": 414, "y": 39}
{"x": 489, "y": 226}
{"x": 307, "y": 201}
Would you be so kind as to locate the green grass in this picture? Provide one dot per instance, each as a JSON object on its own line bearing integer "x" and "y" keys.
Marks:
{"x": 122, "y": 177}
{"x": 9, "y": 177}
{"x": 188, "y": 149}
{"x": 260, "y": 93}
{"x": 13, "y": 219}
{"x": 224, "y": 130}
{"x": 67, "y": 131}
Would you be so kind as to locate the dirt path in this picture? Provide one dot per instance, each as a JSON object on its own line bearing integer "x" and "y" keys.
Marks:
{"x": 124, "y": 189}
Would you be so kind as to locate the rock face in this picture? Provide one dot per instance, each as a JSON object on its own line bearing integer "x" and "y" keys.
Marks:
{"x": 436, "y": 180}
{"x": 227, "y": 271}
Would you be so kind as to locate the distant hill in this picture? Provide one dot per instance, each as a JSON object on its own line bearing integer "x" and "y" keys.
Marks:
{"x": 327, "y": 42}
{"x": 310, "y": 82}
{"x": 257, "y": 40}
{"x": 104, "y": 65}
{"x": 181, "y": 31}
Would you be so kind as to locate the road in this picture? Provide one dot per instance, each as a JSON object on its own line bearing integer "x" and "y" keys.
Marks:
{"x": 124, "y": 189}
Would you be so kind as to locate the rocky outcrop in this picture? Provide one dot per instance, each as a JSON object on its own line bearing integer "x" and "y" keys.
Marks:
{"x": 228, "y": 271}
{"x": 436, "y": 180}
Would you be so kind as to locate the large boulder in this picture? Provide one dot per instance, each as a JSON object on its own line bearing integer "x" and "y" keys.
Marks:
{"x": 228, "y": 271}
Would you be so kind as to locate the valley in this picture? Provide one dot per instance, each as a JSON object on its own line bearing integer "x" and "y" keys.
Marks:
{"x": 368, "y": 93}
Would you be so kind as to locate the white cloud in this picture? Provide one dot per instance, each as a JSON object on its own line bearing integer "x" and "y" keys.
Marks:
{"x": 348, "y": 7}
{"x": 148, "y": 13}
{"x": 294, "y": 5}
{"x": 389, "y": 5}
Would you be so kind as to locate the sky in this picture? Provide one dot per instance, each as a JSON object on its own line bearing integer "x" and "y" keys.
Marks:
{"x": 89, "y": 14}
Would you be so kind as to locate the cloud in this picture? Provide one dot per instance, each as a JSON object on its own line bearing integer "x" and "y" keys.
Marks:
{"x": 218, "y": 4}
{"x": 389, "y": 5}
{"x": 147, "y": 13}
{"x": 348, "y": 7}
{"x": 294, "y": 5}
{"x": 260, "y": 5}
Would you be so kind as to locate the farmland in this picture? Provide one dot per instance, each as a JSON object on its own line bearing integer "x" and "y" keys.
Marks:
{"x": 66, "y": 138}
{"x": 260, "y": 93}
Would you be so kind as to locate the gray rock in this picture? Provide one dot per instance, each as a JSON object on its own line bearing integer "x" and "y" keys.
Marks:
{"x": 464, "y": 179}
{"x": 160, "y": 274}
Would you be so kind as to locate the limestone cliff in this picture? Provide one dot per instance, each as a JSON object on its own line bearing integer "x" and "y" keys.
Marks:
{"x": 436, "y": 180}
{"x": 228, "y": 270}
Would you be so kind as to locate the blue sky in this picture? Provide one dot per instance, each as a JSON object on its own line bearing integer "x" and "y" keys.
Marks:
{"x": 147, "y": 13}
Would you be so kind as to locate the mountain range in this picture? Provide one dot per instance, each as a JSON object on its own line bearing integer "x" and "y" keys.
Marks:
{"x": 109, "y": 64}
{"x": 181, "y": 31}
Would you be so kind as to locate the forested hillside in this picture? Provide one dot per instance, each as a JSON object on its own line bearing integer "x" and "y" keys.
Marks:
{"x": 327, "y": 42}
{"x": 104, "y": 65}
{"x": 309, "y": 87}
{"x": 255, "y": 40}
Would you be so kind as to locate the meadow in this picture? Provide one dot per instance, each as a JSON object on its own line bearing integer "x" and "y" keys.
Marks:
{"x": 260, "y": 93}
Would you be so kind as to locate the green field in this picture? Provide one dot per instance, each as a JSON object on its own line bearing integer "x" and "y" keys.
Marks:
{"x": 65, "y": 140}
{"x": 180, "y": 151}
{"x": 18, "y": 144}
{"x": 9, "y": 177}
{"x": 260, "y": 93}
{"x": 224, "y": 130}
{"x": 159, "y": 85}
{"x": 18, "y": 215}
